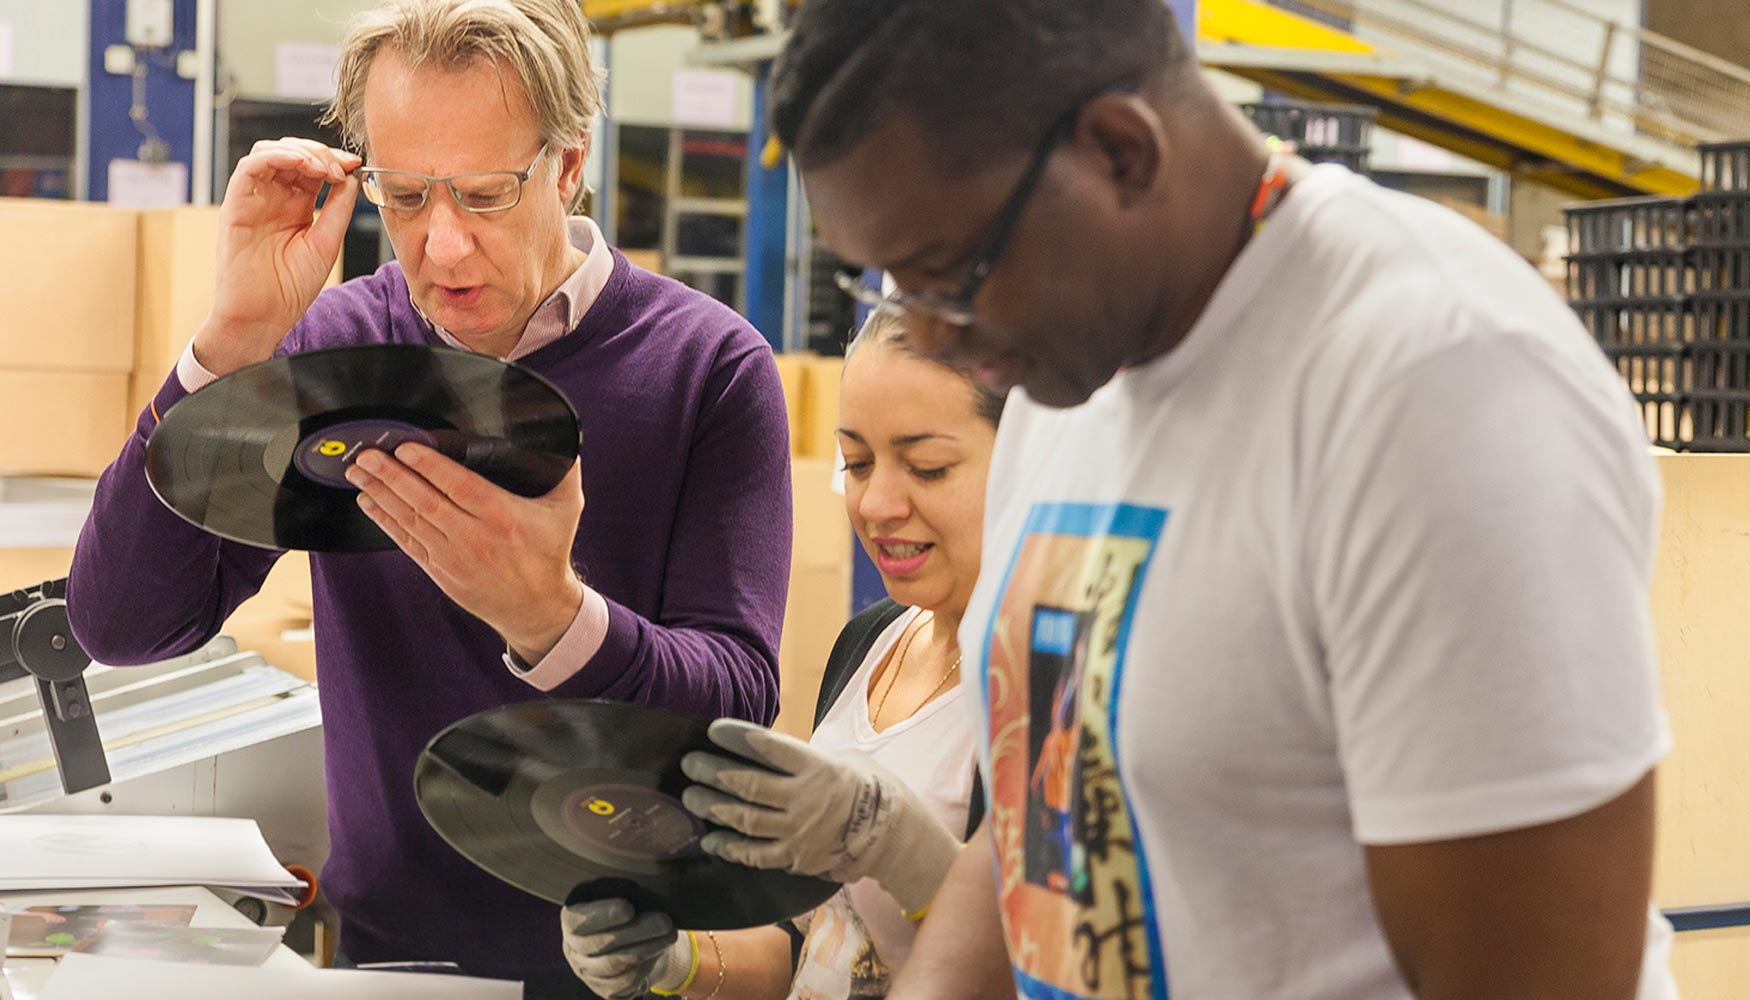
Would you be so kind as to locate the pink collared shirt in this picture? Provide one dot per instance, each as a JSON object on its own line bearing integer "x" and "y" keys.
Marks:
{"x": 558, "y": 315}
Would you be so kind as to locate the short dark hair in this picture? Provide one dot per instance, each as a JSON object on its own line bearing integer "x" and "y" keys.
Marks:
{"x": 984, "y": 75}
{"x": 886, "y": 328}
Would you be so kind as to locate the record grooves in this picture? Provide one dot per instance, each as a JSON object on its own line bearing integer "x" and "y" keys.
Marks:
{"x": 260, "y": 455}
{"x": 579, "y": 800}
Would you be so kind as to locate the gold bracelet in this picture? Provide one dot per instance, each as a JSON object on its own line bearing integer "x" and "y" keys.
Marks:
{"x": 722, "y": 970}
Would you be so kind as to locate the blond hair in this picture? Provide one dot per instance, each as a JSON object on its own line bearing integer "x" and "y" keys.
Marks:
{"x": 544, "y": 42}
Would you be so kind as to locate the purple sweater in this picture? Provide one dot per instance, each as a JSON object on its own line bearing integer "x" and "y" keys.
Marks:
{"x": 686, "y": 532}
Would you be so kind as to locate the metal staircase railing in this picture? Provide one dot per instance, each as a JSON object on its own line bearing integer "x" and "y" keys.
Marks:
{"x": 1572, "y": 60}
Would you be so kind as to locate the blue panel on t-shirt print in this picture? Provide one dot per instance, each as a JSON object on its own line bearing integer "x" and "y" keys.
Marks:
{"x": 1054, "y": 631}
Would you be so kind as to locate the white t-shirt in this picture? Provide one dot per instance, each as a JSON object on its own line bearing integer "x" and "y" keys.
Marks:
{"x": 1364, "y": 561}
{"x": 857, "y": 938}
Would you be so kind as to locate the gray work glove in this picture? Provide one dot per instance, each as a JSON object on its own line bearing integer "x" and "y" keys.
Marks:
{"x": 836, "y": 814}
{"x": 620, "y": 953}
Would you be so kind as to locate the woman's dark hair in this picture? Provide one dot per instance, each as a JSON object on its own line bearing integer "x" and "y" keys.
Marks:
{"x": 887, "y": 328}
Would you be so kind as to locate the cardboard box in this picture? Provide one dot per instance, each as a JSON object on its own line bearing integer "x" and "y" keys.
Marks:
{"x": 56, "y": 423}
{"x": 67, "y": 277}
{"x": 820, "y": 407}
{"x": 792, "y": 373}
{"x": 177, "y": 276}
{"x": 276, "y": 621}
{"x": 22, "y": 568}
{"x": 649, "y": 260}
{"x": 1699, "y": 580}
{"x": 818, "y": 607}
{"x": 1712, "y": 964}
{"x": 821, "y": 530}
{"x": 820, "y": 591}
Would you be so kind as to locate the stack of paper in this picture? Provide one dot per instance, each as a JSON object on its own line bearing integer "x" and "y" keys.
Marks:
{"x": 82, "y": 977}
{"x": 41, "y": 853}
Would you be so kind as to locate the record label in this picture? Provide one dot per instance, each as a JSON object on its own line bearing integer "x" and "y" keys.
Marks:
{"x": 633, "y": 822}
{"x": 325, "y": 455}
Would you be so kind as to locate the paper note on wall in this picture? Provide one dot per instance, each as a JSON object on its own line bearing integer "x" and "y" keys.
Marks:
{"x": 705, "y": 98}
{"x": 134, "y": 184}
{"x": 304, "y": 71}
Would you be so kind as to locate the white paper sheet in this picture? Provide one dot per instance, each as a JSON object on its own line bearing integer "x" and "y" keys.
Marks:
{"x": 304, "y": 71}
{"x": 133, "y": 184}
{"x": 79, "y": 852}
{"x": 83, "y": 977}
{"x": 704, "y": 98}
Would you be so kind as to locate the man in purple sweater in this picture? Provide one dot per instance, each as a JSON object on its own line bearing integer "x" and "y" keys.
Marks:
{"x": 667, "y": 589}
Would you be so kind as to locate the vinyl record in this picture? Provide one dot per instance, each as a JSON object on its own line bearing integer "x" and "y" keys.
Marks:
{"x": 260, "y": 455}
{"x": 580, "y": 800}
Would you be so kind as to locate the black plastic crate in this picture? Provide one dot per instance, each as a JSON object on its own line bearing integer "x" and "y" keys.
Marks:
{"x": 1719, "y": 317}
{"x": 1653, "y": 372}
{"x": 1724, "y": 268}
{"x": 1693, "y": 396}
{"x": 1625, "y": 224}
{"x": 1725, "y": 166}
{"x": 1648, "y": 276}
{"x": 1696, "y": 424}
{"x": 1332, "y": 129}
{"x": 1355, "y": 159}
{"x": 1632, "y": 323}
{"x": 1720, "y": 218}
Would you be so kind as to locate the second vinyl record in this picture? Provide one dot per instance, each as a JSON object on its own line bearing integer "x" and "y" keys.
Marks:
{"x": 580, "y": 800}
{"x": 260, "y": 456}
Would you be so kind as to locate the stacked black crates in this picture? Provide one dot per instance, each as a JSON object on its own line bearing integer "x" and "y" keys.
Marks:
{"x": 1322, "y": 133}
{"x": 1664, "y": 284}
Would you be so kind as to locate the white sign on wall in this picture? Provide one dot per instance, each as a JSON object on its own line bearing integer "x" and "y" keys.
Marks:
{"x": 304, "y": 71}
{"x": 133, "y": 184}
{"x": 705, "y": 98}
{"x": 1414, "y": 154}
{"x": 5, "y": 50}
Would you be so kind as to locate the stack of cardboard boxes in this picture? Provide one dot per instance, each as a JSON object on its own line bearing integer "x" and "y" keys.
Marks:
{"x": 67, "y": 336}
{"x": 100, "y": 304}
{"x": 820, "y": 564}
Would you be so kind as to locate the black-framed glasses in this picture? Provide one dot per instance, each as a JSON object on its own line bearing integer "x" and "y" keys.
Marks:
{"x": 481, "y": 191}
{"x": 956, "y": 308}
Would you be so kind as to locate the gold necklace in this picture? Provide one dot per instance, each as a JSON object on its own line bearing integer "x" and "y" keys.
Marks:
{"x": 898, "y": 661}
{"x": 938, "y": 688}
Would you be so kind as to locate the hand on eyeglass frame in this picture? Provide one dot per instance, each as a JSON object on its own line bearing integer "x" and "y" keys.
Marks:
{"x": 275, "y": 250}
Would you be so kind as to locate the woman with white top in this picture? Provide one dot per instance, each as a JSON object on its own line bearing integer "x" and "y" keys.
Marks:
{"x": 882, "y": 796}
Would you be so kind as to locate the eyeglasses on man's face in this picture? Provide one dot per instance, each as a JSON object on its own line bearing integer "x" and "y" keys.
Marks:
{"x": 481, "y": 191}
{"x": 956, "y": 308}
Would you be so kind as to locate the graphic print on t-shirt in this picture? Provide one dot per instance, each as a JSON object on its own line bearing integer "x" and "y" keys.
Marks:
{"x": 835, "y": 929}
{"x": 1075, "y": 886}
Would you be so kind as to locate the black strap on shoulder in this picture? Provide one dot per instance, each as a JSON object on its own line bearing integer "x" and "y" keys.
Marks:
{"x": 848, "y": 652}
{"x": 975, "y": 805}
